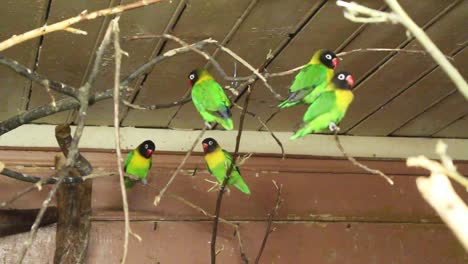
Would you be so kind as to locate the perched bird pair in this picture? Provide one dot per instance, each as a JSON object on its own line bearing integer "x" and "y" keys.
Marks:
{"x": 328, "y": 95}
{"x": 139, "y": 161}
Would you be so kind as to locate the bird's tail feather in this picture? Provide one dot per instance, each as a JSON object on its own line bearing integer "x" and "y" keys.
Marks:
{"x": 226, "y": 123}
{"x": 129, "y": 183}
{"x": 242, "y": 186}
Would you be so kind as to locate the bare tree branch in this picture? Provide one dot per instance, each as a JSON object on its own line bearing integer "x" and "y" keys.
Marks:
{"x": 38, "y": 78}
{"x": 355, "y": 12}
{"x": 114, "y": 26}
{"x": 354, "y": 161}
{"x": 226, "y": 179}
{"x": 70, "y": 103}
{"x": 66, "y": 24}
{"x": 271, "y": 215}
{"x": 439, "y": 193}
{"x": 158, "y": 197}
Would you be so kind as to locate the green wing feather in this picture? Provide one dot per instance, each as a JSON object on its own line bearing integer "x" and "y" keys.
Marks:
{"x": 308, "y": 83}
{"x": 319, "y": 115}
{"x": 212, "y": 103}
{"x": 219, "y": 172}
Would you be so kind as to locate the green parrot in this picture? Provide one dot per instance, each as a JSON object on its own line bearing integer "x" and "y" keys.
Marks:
{"x": 329, "y": 107}
{"x": 218, "y": 162}
{"x": 209, "y": 98}
{"x": 138, "y": 163}
{"x": 311, "y": 81}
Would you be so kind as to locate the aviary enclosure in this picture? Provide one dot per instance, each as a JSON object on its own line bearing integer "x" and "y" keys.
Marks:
{"x": 248, "y": 131}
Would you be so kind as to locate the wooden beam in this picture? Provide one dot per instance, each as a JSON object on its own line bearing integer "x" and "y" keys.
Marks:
{"x": 254, "y": 141}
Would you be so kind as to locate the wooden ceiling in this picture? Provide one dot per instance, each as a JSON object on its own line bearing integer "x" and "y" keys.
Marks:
{"x": 396, "y": 94}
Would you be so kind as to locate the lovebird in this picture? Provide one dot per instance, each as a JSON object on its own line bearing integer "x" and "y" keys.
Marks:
{"x": 209, "y": 98}
{"x": 329, "y": 107}
{"x": 138, "y": 163}
{"x": 218, "y": 162}
{"x": 311, "y": 81}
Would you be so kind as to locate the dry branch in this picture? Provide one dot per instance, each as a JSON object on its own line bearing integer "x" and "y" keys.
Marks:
{"x": 66, "y": 24}
{"x": 226, "y": 179}
{"x": 271, "y": 215}
{"x": 355, "y": 12}
{"x": 439, "y": 193}
{"x": 336, "y": 129}
{"x": 71, "y": 103}
{"x": 158, "y": 197}
{"x": 114, "y": 28}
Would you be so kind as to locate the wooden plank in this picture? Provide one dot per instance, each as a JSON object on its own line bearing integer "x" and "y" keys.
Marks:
{"x": 458, "y": 129}
{"x": 42, "y": 161}
{"x": 413, "y": 101}
{"x": 389, "y": 36}
{"x": 290, "y": 243}
{"x": 20, "y": 16}
{"x": 41, "y": 251}
{"x": 65, "y": 56}
{"x": 18, "y": 221}
{"x": 168, "y": 81}
{"x": 436, "y": 118}
{"x": 262, "y": 31}
{"x": 148, "y": 20}
{"x": 307, "y": 196}
{"x": 315, "y": 35}
{"x": 403, "y": 70}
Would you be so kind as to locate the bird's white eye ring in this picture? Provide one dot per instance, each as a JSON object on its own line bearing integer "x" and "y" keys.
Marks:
{"x": 192, "y": 76}
{"x": 341, "y": 77}
{"x": 328, "y": 57}
{"x": 146, "y": 146}
{"x": 211, "y": 143}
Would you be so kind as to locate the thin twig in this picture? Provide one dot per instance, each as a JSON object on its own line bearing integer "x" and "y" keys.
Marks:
{"x": 357, "y": 163}
{"x": 354, "y": 12}
{"x": 71, "y": 103}
{"x": 64, "y": 24}
{"x": 83, "y": 96}
{"x": 158, "y": 197}
{"x": 411, "y": 51}
{"x": 38, "y": 78}
{"x": 271, "y": 215}
{"x": 264, "y": 125}
{"x": 226, "y": 179}
{"x": 118, "y": 59}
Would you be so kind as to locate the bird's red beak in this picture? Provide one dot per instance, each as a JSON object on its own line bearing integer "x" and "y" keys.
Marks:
{"x": 190, "y": 83}
{"x": 205, "y": 147}
{"x": 335, "y": 62}
{"x": 350, "y": 80}
{"x": 148, "y": 153}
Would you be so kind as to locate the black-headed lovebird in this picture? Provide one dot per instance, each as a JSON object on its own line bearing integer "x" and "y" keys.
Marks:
{"x": 209, "y": 98}
{"x": 311, "y": 81}
{"x": 218, "y": 162}
{"x": 138, "y": 162}
{"x": 329, "y": 107}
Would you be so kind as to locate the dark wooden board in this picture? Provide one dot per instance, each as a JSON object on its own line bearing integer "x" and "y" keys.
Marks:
{"x": 17, "y": 17}
{"x": 458, "y": 129}
{"x": 168, "y": 81}
{"x": 65, "y": 56}
{"x": 437, "y": 117}
{"x": 289, "y": 243}
{"x": 148, "y": 20}
{"x": 327, "y": 29}
{"x": 413, "y": 101}
{"x": 400, "y": 72}
{"x": 262, "y": 31}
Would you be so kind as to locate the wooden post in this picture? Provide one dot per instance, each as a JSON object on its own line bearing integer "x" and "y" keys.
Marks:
{"x": 74, "y": 207}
